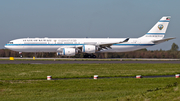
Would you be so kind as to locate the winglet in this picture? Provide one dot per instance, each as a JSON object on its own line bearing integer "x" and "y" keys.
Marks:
{"x": 126, "y": 40}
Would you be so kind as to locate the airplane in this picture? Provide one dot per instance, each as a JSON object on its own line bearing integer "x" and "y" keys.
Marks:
{"x": 72, "y": 46}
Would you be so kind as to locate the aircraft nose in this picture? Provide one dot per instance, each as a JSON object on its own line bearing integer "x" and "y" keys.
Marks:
{"x": 6, "y": 46}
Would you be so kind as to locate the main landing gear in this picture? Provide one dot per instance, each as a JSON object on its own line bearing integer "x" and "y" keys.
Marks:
{"x": 89, "y": 55}
{"x": 20, "y": 54}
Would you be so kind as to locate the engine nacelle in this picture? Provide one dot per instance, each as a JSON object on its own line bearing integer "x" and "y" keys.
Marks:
{"x": 89, "y": 49}
{"x": 67, "y": 52}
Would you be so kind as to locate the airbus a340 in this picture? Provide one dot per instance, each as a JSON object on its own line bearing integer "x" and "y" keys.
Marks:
{"x": 72, "y": 46}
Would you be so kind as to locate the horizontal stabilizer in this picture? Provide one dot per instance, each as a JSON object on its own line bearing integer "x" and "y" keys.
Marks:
{"x": 162, "y": 40}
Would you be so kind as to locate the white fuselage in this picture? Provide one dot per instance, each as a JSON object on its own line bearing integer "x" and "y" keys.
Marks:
{"x": 53, "y": 44}
{"x": 70, "y": 46}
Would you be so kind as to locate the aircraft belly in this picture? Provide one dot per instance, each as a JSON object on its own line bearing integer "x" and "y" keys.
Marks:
{"x": 124, "y": 48}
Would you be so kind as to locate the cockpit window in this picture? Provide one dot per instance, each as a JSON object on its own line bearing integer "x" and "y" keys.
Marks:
{"x": 10, "y": 43}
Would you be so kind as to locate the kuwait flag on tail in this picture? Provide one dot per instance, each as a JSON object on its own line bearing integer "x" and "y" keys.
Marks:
{"x": 167, "y": 18}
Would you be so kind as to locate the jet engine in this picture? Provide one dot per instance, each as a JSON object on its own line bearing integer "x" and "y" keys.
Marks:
{"x": 89, "y": 49}
{"x": 67, "y": 52}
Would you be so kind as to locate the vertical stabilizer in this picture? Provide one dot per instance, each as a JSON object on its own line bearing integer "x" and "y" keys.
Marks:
{"x": 159, "y": 29}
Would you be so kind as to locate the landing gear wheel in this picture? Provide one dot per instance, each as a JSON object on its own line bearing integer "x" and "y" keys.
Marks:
{"x": 89, "y": 56}
{"x": 94, "y": 56}
{"x": 20, "y": 54}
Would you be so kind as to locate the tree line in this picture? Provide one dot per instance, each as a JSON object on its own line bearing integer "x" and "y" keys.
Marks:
{"x": 143, "y": 53}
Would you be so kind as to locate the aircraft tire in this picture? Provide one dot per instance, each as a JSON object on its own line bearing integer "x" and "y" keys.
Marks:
{"x": 89, "y": 56}
{"x": 21, "y": 56}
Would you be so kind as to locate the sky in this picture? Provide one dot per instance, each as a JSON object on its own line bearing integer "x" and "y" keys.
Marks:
{"x": 87, "y": 18}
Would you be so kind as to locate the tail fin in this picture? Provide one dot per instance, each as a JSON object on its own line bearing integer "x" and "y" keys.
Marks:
{"x": 159, "y": 29}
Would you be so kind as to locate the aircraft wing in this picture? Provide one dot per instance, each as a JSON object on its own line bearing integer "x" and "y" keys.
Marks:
{"x": 162, "y": 40}
{"x": 108, "y": 45}
{"x": 100, "y": 46}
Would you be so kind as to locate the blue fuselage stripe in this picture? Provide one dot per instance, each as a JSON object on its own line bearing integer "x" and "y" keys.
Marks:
{"x": 164, "y": 21}
{"x": 156, "y": 33}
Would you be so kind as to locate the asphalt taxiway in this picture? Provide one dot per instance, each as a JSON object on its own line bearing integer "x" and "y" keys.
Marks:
{"x": 80, "y": 62}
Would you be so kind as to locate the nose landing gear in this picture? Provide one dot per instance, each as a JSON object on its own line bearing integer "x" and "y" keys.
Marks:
{"x": 20, "y": 54}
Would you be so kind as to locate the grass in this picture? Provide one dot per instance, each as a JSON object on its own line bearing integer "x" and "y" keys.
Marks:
{"x": 41, "y": 71}
{"x": 120, "y": 89}
{"x": 24, "y": 82}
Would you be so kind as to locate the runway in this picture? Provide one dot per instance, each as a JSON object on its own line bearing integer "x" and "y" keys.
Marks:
{"x": 80, "y": 62}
